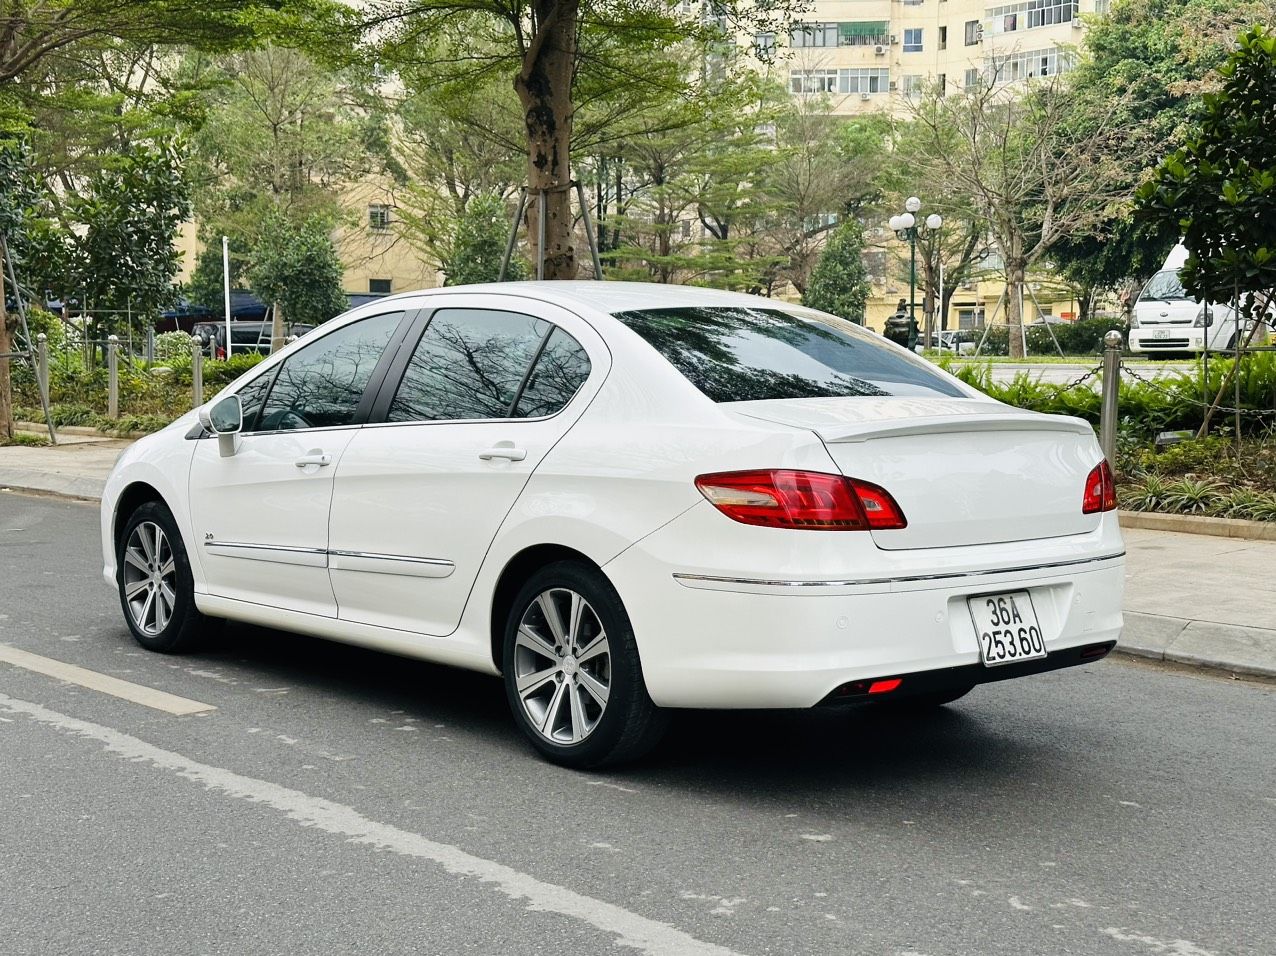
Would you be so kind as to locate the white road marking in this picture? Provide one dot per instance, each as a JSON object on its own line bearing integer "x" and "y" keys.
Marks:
{"x": 1172, "y": 947}
{"x": 104, "y": 683}
{"x": 632, "y": 930}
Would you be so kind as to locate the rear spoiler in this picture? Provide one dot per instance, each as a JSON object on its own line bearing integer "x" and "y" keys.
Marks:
{"x": 938, "y": 425}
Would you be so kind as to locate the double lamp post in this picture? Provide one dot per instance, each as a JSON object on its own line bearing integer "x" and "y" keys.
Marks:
{"x": 906, "y": 227}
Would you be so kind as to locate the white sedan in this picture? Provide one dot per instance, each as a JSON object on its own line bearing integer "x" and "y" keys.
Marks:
{"x": 625, "y": 498}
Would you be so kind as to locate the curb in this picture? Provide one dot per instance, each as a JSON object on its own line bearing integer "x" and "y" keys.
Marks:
{"x": 1199, "y": 524}
{"x": 1249, "y": 650}
{"x": 43, "y": 429}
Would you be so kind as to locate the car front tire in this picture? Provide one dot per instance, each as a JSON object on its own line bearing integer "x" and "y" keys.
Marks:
{"x": 572, "y": 674}
{"x": 157, "y": 590}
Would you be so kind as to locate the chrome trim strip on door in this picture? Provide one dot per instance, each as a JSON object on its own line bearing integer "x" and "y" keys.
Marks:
{"x": 401, "y": 564}
{"x": 764, "y": 582}
{"x": 274, "y": 553}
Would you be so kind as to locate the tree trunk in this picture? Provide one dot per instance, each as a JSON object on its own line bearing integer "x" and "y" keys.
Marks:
{"x": 6, "y": 383}
{"x": 276, "y": 328}
{"x": 1016, "y": 269}
{"x": 544, "y": 87}
{"x": 1085, "y": 301}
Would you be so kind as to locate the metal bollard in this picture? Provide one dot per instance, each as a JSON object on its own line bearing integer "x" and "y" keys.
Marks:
{"x": 42, "y": 367}
{"x": 150, "y": 344}
{"x": 1111, "y": 388}
{"x": 197, "y": 371}
{"x": 112, "y": 376}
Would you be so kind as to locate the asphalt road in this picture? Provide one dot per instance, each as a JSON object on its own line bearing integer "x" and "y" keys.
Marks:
{"x": 341, "y": 801}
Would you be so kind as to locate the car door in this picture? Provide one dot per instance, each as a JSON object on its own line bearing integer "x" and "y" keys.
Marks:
{"x": 260, "y": 516}
{"x": 462, "y": 421}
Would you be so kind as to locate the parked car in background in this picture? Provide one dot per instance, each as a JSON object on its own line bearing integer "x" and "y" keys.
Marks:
{"x": 184, "y": 316}
{"x": 1167, "y": 320}
{"x": 626, "y": 498}
{"x": 245, "y": 336}
{"x": 961, "y": 341}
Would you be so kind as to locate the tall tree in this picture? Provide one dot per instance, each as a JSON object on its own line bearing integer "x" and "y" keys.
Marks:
{"x": 839, "y": 283}
{"x": 557, "y": 54}
{"x": 1038, "y": 165}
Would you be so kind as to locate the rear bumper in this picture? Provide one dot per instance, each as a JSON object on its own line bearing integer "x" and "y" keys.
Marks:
{"x": 944, "y": 679}
{"x": 713, "y": 642}
{"x": 1176, "y": 338}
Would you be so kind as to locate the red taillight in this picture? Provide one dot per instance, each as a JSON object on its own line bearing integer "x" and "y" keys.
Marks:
{"x": 884, "y": 686}
{"x": 1100, "y": 490}
{"x": 809, "y": 500}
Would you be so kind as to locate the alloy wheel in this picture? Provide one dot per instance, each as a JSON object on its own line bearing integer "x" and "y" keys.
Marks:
{"x": 562, "y": 666}
{"x": 150, "y": 578}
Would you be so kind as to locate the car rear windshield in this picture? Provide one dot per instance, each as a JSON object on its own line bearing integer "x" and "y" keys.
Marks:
{"x": 744, "y": 354}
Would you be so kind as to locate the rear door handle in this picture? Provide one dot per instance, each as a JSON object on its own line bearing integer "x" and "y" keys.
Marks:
{"x": 504, "y": 449}
{"x": 314, "y": 458}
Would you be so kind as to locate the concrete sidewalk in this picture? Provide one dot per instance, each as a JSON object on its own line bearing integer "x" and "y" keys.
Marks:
{"x": 1191, "y": 598}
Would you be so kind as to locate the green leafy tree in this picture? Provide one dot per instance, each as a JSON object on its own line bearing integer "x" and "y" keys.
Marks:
{"x": 479, "y": 244}
{"x": 295, "y": 268}
{"x": 16, "y": 199}
{"x": 560, "y": 56}
{"x": 839, "y": 282}
{"x": 1219, "y": 189}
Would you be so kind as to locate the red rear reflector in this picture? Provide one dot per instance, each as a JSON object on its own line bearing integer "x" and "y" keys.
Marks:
{"x": 807, "y": 500}
{"x": 1100, "y": 490}
{"x": 884, "y": 686}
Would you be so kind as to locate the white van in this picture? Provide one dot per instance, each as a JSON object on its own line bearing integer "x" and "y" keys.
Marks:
{"x": 1167, "y": 320}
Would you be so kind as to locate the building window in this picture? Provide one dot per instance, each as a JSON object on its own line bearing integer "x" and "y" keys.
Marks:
{"x": 943, "y": 38}
{"x": 379, "y": 217}
{"x": 1026, "y": 65}
{"x": 941, "y": 83}
{"x": 913, "y": 83}
{"x": 1030, "y": 14}
{"x": 764, "y": 43}
{"x": 913, "y": 40}
{"x": 812, "y": 81}
{"x": 813, "y": 34}
{"x": 972, "y": 79}
{"x": 863, "y": 81}
{"x": 974, "y": 32}
{"x": 379, "y": 286}
{"x": 1102, "y": 7}
{"x": 864, "y": 33}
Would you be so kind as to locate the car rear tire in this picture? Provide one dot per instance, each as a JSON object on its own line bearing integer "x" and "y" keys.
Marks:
{"x": 157, "y": 591}
{"x": 572, "y": 674}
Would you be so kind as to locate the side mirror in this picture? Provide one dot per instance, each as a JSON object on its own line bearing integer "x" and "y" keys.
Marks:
{"x": 225, "y": 419}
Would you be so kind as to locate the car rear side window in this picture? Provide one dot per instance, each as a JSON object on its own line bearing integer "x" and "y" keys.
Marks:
{"x": 469, "y": 364}
{"x": 560, "y": 370}
{"x": 320, "y": 386}
{"x": 741, "y": 354}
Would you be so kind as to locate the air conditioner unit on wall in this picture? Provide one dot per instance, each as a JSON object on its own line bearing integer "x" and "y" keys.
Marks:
{"x": 879, "y": 50}
{"x": 979, "y": 33}
{"x": 894, "y": 86}
{"x": 864, "y": 96}
{"x": 894, "y": 38}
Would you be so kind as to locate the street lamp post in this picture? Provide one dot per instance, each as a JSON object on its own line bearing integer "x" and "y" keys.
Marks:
{"x": 906, "y": 226}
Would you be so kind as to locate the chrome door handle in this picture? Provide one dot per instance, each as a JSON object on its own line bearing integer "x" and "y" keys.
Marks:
{"x": 505, "y": 450}
{"x": 314, "y": 458}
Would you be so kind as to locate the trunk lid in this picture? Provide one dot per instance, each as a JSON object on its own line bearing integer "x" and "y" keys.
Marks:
{"x": 964, "y": 470}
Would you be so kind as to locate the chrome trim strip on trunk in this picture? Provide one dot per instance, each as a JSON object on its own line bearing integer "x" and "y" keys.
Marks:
{"x": 764, "y": 582}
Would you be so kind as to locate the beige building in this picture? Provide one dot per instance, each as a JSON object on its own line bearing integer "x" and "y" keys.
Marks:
{"x": 371, "y": 244}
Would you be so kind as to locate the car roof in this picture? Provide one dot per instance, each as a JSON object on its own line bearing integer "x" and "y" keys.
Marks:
{"x": 608, "y": 297}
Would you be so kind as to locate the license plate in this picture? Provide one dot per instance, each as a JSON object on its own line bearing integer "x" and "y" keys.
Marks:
{"x": 1161, "y": 333}
{"x": 1007, "y": 627}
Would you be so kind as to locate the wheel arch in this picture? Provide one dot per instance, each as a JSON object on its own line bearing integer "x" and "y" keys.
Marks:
{"x": 131, "y": 498}
{"x": 516, "y": 571}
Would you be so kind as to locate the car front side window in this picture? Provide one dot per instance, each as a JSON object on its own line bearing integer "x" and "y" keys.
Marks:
{"x": 469, "y": 364}
{"x": 321, "y": 385}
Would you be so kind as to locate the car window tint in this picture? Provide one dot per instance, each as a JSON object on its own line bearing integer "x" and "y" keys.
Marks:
{"x": 560, "y": 370}
{"x": 740, "y": 354}
{"x": 468, "y": 364}
{"x": 252, "y": 397}
{"x": 320, "y": 385}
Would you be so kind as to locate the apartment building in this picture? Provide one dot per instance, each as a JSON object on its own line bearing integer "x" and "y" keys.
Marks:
{"x": 870, "y": 55}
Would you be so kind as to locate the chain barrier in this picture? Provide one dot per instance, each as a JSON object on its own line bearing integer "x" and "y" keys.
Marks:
{"x": 1181, "y": 396}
